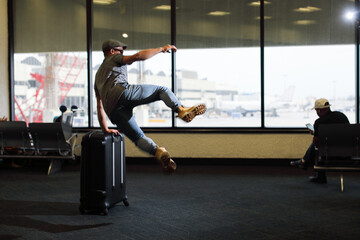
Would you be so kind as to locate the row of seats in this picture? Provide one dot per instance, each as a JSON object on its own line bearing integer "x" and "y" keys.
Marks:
{"x": 53, "y": 141}
{"x": 338, "y": 149}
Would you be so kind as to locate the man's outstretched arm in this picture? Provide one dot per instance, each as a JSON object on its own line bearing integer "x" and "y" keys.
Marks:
{"x": 148, "y": 53}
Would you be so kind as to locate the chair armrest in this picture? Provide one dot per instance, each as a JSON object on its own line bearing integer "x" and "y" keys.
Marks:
{"x": 74, "y": 135}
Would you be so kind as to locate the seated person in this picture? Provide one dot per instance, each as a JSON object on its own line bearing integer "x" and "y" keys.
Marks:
{"x": 62, "y": 110}
{"x": 326, "y": 116}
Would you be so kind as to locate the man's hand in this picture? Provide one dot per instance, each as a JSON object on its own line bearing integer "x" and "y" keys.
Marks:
{"x": 112, "y": 131}
{"x": 168, "y": 47}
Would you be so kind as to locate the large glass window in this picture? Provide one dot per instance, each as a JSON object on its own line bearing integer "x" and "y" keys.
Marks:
{"x": 218, "y": 61}
{"x": 141, "y": 25}
{"x": 50, "y": 59}
{"x": 309, "y": 54}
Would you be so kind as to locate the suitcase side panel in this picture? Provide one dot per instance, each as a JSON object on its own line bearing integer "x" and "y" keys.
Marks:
{"x": 102, "y": 170}
{"x": 93, "y": 170}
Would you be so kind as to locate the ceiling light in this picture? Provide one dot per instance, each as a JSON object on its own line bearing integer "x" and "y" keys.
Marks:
{"x": 218, "y": 13}
{"x": 304, "y": 22}
{"x": 125, "y": 35}
{"x": 257, "y": 3}
{"x": 104, "y": 2}
{"x": 265, "y": 18}
{"x": 163, "y": 7}
{"x": 350, "y": 15}
{"x": 307, "y": 9}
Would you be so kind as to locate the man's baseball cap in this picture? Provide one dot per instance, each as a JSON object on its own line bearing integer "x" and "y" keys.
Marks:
{"x": 321, "y": 103}
{"x": 111, "y": 43}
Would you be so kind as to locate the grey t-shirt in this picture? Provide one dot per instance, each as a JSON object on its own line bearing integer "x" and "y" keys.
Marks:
{"x": 111, "y": 81}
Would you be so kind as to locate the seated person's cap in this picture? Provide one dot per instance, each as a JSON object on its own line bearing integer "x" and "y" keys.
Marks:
{"x": 111, "y": 43}
{"x": 321, "y": 103}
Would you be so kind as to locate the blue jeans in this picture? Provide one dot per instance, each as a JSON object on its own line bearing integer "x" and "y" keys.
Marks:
{"x": 136, "y": 95}
{"x": 310, "y": 155}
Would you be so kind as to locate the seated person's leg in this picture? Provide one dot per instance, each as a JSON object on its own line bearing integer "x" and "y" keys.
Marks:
{"x": 307, "y": 160}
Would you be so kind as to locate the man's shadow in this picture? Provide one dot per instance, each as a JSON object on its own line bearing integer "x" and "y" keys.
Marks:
{"x": 14, "y": 212}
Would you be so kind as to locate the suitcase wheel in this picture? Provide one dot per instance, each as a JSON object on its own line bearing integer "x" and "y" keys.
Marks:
{"x": 105, "y": 211}
{"x": 126, "y": 202}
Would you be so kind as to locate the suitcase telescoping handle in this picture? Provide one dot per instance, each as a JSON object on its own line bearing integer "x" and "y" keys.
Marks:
{"x": 117, "y": 139}
{"x": 114, "y": 140}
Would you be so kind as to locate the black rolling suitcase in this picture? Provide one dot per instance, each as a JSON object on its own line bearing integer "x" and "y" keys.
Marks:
{"x": 102, "y": 174}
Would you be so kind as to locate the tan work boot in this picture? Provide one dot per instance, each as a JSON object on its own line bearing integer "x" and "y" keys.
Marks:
{"x": 163, "y": 156}
{"x": 188, "y": 113}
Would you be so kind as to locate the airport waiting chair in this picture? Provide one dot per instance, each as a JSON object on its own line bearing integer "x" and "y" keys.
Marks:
{"x": 338, "y": 149}
{"x": 67, "y": 118}
{"x": 49, "y": 141}
{"x": 14, "y": 137}
{"x": 66, "y": 124}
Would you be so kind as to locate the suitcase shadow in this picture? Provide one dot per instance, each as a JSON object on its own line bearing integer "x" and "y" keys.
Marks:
{"x": 16, "y": 212}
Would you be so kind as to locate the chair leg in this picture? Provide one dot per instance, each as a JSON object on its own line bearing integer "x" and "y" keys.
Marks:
{"x": 55, "y": 166}
{"x": 342, "y": 182}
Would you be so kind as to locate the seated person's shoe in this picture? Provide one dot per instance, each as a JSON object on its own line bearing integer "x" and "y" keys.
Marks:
{"x": 163, "y": 157}
{"x": 299, "y": 164}
{"x": 188, "y": 114}
{"x": 320, "y": 177}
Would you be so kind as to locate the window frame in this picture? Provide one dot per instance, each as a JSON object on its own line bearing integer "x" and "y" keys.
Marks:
{"x": 173, "y": 128}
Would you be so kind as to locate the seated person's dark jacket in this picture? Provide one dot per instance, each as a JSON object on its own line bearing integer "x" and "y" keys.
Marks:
{"x": 331, "y": 117}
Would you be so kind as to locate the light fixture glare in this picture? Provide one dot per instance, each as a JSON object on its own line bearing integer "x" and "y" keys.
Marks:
{"x": 350, "y": 15}
{"x": 163, "y": 7}
{"x": 265, "y": 18}
{"x": 304, "y": 22}
{"x": 218, "y": 13}
{"x": 307, "y": 9}
{"x": 257, "y": 3}
{"x": 104, "y": 2}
